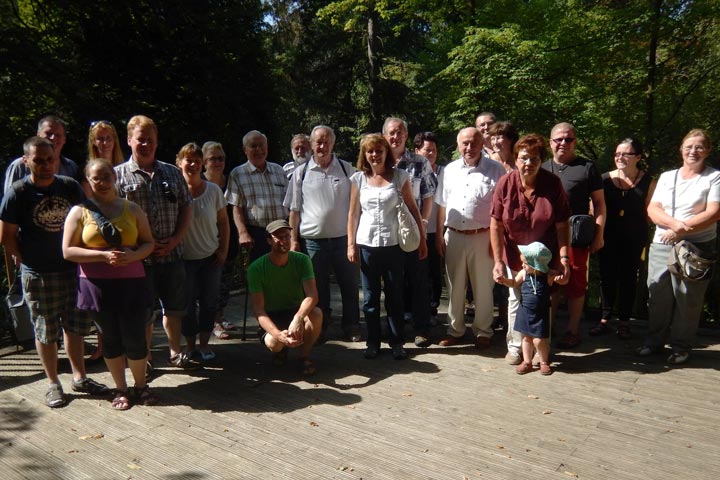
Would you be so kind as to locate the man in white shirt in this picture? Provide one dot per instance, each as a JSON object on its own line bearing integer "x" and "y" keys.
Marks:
{"x": 319, "y": 201}
{"x": 464, "y": 195}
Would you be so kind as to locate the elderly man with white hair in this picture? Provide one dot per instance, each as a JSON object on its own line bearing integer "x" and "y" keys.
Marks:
{"x": 256, "y": 190}
{"x": 464, "y": 195}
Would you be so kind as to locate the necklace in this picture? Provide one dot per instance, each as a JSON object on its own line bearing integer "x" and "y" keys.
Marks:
{"x": 625, "y": 190}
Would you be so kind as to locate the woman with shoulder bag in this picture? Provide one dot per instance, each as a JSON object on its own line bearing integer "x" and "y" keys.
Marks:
{"x": 685, "y": 206}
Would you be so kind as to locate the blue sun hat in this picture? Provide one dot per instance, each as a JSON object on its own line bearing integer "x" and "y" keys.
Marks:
{"x": 537, "y": 255}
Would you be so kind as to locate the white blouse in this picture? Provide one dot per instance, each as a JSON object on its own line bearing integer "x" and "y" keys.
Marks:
{"x": 378, "y": 226}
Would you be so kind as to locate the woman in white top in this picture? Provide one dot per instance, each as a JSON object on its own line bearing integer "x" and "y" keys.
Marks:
{"x": 685, "y": 206}
{"x": 373, "y": 238}
{"x": 205, "y": 249}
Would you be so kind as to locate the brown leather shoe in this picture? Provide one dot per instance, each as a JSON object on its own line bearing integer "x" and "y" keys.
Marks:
{"x": 449, "y": 341}
{"x": 481, "y": 343}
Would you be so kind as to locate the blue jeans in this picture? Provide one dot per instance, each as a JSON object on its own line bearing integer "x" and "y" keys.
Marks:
{"x": 329, "y": 253}
{"x": 202, "y": 280}
{"x": 386, "y": 264}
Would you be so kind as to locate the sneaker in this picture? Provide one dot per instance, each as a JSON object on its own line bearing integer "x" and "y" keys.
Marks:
{"x": 398, "y": 352}
{"x": 678, "y": 358}
{"x": 55, "y": 398}
{"x": 569, "y": 340}
{"x": 645, "y": 350}
{"x": 371, "y": 352}
{"x": 180, "y": 360}
{"x": 513, "y": 358}
{"x": 207, "y": 355}
{"x": 89, "y": 386}
{"x": 422, "y": 341}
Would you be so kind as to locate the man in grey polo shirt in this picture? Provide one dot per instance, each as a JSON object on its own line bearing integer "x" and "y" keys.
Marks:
{"x": 52, "y": 128}
{"x": 319, "y": 200}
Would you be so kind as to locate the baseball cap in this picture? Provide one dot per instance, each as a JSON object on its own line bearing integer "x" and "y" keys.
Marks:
{"x": 276, "y": 225}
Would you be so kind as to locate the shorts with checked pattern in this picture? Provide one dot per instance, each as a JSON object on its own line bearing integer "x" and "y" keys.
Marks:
{"x": 51, "y": 299}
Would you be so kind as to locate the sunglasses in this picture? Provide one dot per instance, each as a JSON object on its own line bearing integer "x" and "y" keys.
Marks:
{"x": 560, "y": 141}
{"x": 169, "y": 195}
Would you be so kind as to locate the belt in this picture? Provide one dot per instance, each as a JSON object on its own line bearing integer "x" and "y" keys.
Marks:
{"x": 468, "y": 232}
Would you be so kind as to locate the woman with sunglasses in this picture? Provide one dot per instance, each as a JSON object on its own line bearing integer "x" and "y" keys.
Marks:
{"x": 215, "y": 163}
{"x": 628, "y": 190}
{"x": 109, "y": 237}
{"x": 684, "y": 206}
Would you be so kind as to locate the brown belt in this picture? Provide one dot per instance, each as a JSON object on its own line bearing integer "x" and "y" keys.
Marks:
{"x": 468, "y": 232}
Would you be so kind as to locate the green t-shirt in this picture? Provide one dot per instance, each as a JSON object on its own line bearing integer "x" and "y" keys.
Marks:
{"x": 282, "y": 286}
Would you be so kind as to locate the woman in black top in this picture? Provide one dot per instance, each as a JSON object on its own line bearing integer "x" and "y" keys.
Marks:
{"x": 628, "y": 190}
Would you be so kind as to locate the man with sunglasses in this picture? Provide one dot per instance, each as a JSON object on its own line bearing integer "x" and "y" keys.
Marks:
{"x": 52, "y": 128}
{"x": 583, "y": 185}
{"x": 161, "y": 191}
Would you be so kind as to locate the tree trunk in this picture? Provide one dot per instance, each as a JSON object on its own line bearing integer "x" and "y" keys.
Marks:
{"x": 651, "y": 80}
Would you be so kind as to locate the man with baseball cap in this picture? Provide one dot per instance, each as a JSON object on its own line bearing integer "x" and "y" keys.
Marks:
{"x": 284, "y": 298}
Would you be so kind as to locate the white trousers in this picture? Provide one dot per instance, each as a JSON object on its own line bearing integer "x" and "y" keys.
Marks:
{"x": 467, "y": 257}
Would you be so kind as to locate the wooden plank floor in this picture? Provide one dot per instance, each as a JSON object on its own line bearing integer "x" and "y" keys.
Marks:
{"x": 446, "y": 413}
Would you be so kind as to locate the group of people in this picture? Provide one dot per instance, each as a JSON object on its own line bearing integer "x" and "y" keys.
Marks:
{"x": 514, "y": 220}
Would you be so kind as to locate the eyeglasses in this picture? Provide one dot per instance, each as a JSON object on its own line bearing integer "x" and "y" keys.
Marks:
{"x": 216, "y": 159}
{"x": 529, "y": 160}
{"x": 103, "y": 179}
{"x": 624, "y": 154}
{"x": 696, "y": 148}
{"x": 559, "y": 141}
{"x": 169, "y": 195}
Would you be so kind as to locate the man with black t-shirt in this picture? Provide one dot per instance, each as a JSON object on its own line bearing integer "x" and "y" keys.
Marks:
{"x": 32, "y": 217}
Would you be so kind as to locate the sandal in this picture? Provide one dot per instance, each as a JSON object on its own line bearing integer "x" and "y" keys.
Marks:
{"x": 220, "y": 333}
{"x": 144, "y": 396}
{"x": 121, "y": 401}
{"x": 623, "y": 331}
{"x": 523, "y": 368}
{"x": 307, "y": 367}
{"x": 600, "y": 329}
{"x": 545, "y": 368}
{"x": 280, "y": 358}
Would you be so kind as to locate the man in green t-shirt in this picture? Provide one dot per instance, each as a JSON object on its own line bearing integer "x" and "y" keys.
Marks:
{"x": 283, "y": 292}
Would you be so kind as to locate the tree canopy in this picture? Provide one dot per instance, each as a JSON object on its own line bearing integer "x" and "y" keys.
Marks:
{"x": 216, "y": 69}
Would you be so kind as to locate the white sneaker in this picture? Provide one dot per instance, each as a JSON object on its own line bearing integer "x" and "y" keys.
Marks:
{"x": 678, "y": 358}
{"x": 513, "y": 358}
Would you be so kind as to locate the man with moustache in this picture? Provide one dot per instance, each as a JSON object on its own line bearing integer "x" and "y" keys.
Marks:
{"x": 583, "y": 184}
{"x": 300, "y": 151}
{"x": 319, "y": 193}
{"x": 464, "y": 196}
{"x": 256, "y": 190}
{"x": 32, "y": 216}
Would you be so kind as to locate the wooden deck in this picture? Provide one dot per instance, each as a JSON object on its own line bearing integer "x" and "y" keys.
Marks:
{"x": 446, "y": 413}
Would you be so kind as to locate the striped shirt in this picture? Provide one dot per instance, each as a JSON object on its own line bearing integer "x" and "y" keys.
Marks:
{"x": 259, "y": 193}
{"x": 161, "y": 196}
